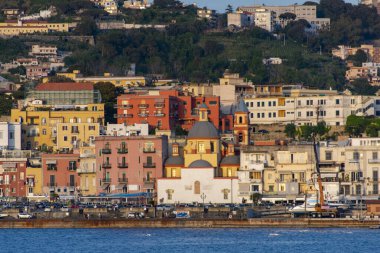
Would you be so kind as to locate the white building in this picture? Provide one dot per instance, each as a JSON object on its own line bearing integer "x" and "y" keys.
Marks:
{"x": 239, "y": 19}
{"x": 272, "y": 61}
{"x": 263, "y": 18}
{"x": 43, "y": 51}
{"x": 10, "y": 135}
{"x": 131, "y": 130}
{"x": 198, "y": 184}
{"x": 303, "y": 110}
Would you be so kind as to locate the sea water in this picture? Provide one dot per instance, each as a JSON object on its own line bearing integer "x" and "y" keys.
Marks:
{"x": 190, "y": 240}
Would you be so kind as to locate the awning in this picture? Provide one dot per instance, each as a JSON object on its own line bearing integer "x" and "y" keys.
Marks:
{"x": 51, "y": 161}
{"x": 105, "y": 186}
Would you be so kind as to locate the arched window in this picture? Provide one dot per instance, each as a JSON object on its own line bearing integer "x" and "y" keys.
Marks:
{"x": 43, "y": 121}
{"x": 240, "y": 120}
{"x": 197, "y": 187}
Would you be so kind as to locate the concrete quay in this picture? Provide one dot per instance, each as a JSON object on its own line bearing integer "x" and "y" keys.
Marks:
{"x": 189, "y": 223}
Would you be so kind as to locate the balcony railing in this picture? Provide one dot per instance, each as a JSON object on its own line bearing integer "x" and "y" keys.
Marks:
{"x": 106, "y": 165}
{"x": 72, "y": 168}
{"x": 51, "y": 184}
{"x": 159, "y": 114}
{"x": 106, "y": 151}
{"x": 143, "y": 114}
{"x": 122, "y": 165}
{"x": 106, "y": 180}
{"x": 52, "y": 168}
{"x": 123, "y": 116}
{"x": 32, "y": 135}
{"x": 149, "y": 165}
{"x": 123, "y": 180}
{"x": 149, "y": 150}
{"x": 373, "y": 160}
{"x": 122, "y": 151}
{"x": 123, "y": 106}
{"x": 149, "y": 183}
{"x": 143, "y": 106}
{"x": 83, "y": 170}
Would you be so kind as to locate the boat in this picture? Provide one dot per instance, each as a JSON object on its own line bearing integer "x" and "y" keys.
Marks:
{"x": 375, "y": 227}
{"x": 3, "y": 215}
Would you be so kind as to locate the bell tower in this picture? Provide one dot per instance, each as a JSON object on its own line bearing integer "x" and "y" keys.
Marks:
{"x": 241, "y": 123}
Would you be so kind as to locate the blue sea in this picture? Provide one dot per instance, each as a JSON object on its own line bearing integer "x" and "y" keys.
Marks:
{"x": 189, "y": 240}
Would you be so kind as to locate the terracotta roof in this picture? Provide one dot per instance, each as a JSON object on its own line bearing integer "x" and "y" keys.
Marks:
{"x": 64, "y": 86}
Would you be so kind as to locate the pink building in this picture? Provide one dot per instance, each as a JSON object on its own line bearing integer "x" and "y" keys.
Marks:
{"x": 129, "y": 164}
{"x": 59, "y": 174}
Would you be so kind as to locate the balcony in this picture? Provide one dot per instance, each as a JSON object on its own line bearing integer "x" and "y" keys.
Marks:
{"x": 106, "y": 165}
{"x": 159, "y": 114}
{"x": 123, "y": 106}
{"x": 354, "y": 160}
{"x": 149, "y": 150}
{"x": 123, "y": 116}
{"x": 52, "y": 168}
{"x": 159, "y": 105}
{"x": 106, "y": 151}
{"x": 143, "y": 114}
{"x": 373, "y": 160}
{"x": 106, "y": 180}
{"x": 143, "y": 106}
{"x": 122, "y": 165}
{"x": 149, "y": 165}
{"x": 123, "y": 180}
{"x": 86, "y": 171}
{"x": 122, "y": 151}
{"x": 51, "y": 184}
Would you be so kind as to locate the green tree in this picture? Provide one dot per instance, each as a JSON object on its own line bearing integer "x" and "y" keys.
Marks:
{"x": 290, "y": 130}
{"x": 60, "y": 79}
{"x": 358, "y": 58}
{"x": 20, "y": 70}
{"x": 5, "y": 104}
{"x": 87, "y": 27}
{"x": 107, "y": 90}
{"x": 229, "y": 9}
{"x": 361, "y": 86}
{"x": 356, "y": 125}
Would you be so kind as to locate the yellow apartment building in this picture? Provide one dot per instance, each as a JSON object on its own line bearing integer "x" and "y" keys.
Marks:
{"x": 15, "y": 27}
{"x": 87, "y": 171}
{"x": 74, "y": 135}
{"x": 118, "y": 81}
{"x": 34, "y": 183}
{"x": 39, "y": 123}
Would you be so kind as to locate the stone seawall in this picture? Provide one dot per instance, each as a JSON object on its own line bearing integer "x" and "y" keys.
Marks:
{"x": 176, "y": 223}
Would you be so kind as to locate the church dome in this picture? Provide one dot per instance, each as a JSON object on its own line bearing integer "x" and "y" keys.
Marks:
{"x": 231, "y": 160}
{"x": 200, "y": 164}
{"x": 203, "y": 129}
{"x": 174, "y": 160}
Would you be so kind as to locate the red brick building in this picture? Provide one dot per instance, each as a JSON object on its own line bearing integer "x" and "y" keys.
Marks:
{"x": 165, "y": 110}
{"x": 12, "y": 177}
{"x": 59, "y": 174}
{"x": 129, "y": 164}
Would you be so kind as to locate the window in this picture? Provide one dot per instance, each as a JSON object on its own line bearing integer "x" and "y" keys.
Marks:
{"x": 212, "y": 147}
{"x": 269, "y": 103}
{"x": 64, "y": 128}
{"x": 43, "y": 121}
{"x": 240, "y": 120}
{"x": 149, "y": 160}
{"x": 271, "y": 188}
{"x": 11, "y": 135}
{"x": 337, "y": 101}
{"x": 43, "y": 131}
{"x": 72, "y": 165}
{"x": 255, "y": 188}
{"x": 337, "y": 113}
{"x": 299, "y": 114}
{"x": 169, "y": 194}
{"x": 375, "y": 175}
{"x": 201, "y": 148}
{"x": 374, "y": 155}
{"x": 356, "y": 155}
{"x": 197, "y": 187}
{"x": 64, "y": 138}
{"x": 258, "y": 104}
{"x": 91, "y": 128}
{"x": 328, "y": 155}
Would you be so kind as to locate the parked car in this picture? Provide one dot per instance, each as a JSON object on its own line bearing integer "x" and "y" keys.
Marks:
{"x": 24, "y": 216}
{"x": 135, "y": 215}
{"x": 263, "y": 131}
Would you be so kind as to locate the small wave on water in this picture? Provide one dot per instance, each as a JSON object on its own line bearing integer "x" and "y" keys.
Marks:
{"x": 274, "y": 234}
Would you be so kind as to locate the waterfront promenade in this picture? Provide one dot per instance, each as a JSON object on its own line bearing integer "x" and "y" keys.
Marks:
{"x": 189, "y": 223}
